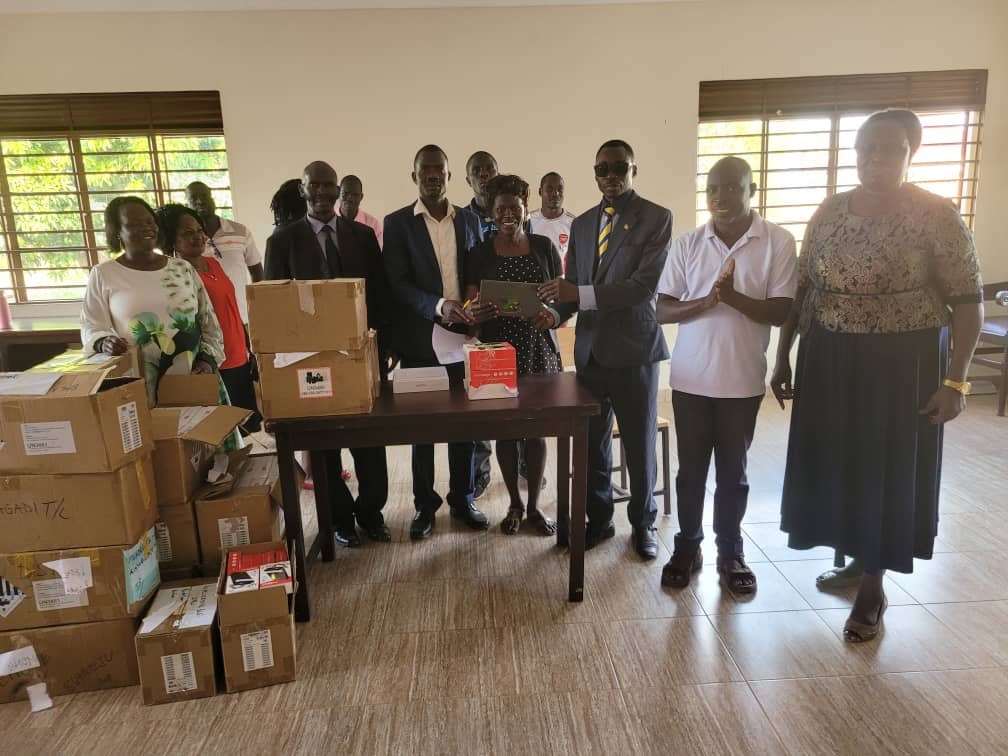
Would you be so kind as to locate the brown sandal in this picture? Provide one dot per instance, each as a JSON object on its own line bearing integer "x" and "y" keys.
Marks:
{"x": 677, "y": 571}
{"x": 512, "y": 521}
{"x": 543, "y": 524}
{"x": 736, "y": 573}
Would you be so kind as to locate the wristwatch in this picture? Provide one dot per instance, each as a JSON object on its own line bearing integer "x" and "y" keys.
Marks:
{"x": 963, "y": 387}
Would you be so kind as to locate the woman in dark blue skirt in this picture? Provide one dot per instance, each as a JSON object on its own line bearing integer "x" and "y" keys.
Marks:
{"x": 886, "y": 272}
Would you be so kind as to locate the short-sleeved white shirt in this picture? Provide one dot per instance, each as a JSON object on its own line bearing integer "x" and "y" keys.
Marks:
{"x": 722, "y": 353}
{"x": 557, "y": 229}
{"x": 238, "y": 252}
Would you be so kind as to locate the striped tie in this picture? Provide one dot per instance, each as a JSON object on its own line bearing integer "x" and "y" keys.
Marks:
{"x": 603, "y": 237}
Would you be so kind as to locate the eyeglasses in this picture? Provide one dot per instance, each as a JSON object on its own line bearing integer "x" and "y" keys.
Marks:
{"x": 619, "y": 168}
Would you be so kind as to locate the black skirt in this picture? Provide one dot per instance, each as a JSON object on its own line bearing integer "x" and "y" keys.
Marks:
{"x": 863, "y": 467}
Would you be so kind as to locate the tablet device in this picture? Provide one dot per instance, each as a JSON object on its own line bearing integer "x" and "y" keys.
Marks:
{"x": 512, "y": 299}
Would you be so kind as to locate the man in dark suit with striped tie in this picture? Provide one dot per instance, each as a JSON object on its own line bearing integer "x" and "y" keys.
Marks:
{"x": 324, "y": 245}
{"x": 616, "y": 255}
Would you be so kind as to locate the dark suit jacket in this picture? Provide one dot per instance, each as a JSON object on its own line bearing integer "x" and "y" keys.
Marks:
{"x": 415, "y": 277}
{"x": 623, "y": 331}
{"x": 294, "y": 252}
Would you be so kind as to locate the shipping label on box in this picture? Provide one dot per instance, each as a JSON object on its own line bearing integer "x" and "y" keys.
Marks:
{"x": 72, "y": 422}
{"x": 177, "y": 538}
{"x": 68, "y": 658}
{"x": 308, "y": 384}
{"x": 307, "y": 316}
{"x": 44, "y": 512}
{"x": 174, "y": 646}
{"x": 491, "y": 371}
{"x": 44, "y": 588}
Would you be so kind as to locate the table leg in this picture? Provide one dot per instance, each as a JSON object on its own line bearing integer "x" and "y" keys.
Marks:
{"x": 292, "y": 521}
{"x": 579, "y": 496}
{"x": 323, "y": 510}
{"x": 563, "y": 477}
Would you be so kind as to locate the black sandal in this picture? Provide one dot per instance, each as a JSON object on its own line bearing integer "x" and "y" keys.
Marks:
{"x": 737, "y": 575}
{"x": 677, "y": 572}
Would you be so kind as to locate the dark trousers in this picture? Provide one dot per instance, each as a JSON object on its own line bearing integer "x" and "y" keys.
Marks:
{"x": 371, "y": 468}
{"x": 724, "y": 427}
{"x": 460, "y": 459}
{"x": 631, "y": 395}
{"x": 238, "y": 382}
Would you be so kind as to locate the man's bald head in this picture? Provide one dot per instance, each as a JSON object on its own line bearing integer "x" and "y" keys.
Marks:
{"x": 320, "y": 188}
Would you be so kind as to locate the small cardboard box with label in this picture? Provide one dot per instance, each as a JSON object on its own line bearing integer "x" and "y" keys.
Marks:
{"x": 247, "y": 509}
{"x": 256, "y": 626}
{"x": 175, "y": 643}
{"x": 72, "y": 422}
{"x": 307, "y": 316}
{"x": 185, "y": 439}
{"x": 491, "y": 371}
{"x": 45, "y": 512}
{"x": 43, "y": 588}
{"x": 177, "y": 540}
{"x": 308, "y": 384}
{"x": 56, "y": 661}
{"x": 78, "y": 361}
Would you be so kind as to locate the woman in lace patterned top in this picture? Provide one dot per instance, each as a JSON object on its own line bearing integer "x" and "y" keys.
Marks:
{"x": 886, "y": 270}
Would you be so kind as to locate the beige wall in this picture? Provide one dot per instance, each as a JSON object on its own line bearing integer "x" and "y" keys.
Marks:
{"x": 363, "y": 89}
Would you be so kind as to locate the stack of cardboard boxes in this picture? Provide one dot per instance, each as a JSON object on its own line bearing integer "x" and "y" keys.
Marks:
{"x": 78, "y": 505}
{"x": 316, "y": 355}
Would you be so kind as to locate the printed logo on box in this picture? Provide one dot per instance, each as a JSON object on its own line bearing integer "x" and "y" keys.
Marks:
{"x": 10, "y": 597}
{"x": 315, "y": 383}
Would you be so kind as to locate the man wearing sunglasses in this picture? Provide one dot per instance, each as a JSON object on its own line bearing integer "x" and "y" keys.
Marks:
{"x": 616, "y": 255}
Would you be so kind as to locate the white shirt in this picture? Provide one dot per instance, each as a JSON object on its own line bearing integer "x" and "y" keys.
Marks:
{"x": 238, "y": 252}
{"x": 722, "y": 353}
{"x": 368, "y": 220}
{"x": 557, "y": 229}
{"x": 442, "y": 236}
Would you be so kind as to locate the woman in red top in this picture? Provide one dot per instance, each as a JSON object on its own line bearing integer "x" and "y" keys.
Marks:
{"x": 184, "y": 236}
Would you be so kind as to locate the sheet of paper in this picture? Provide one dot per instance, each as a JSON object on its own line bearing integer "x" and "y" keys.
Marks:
{"x": 75, "y": 571}
{"x": 283, "y": 359}
{"x": 27, "y": 384}
{"x": 448, "y": 344}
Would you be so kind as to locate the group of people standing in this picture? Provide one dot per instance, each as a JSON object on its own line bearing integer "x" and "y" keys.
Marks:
{"x": 887, "y": 271}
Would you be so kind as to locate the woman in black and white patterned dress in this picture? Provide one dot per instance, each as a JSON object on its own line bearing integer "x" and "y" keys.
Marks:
{"x": 513, "y": 255}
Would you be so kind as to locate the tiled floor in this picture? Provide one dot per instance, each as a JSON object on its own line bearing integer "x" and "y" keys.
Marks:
{"x": 465, "y": 644}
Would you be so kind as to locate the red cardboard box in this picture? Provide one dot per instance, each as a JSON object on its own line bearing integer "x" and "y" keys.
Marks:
{"x": 491, "y": 371}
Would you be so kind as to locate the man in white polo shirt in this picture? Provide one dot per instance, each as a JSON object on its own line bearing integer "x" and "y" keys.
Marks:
{"x": 229, "y": 242}
{"x": 551, "y": 219}
{"x": 725, "y": 283}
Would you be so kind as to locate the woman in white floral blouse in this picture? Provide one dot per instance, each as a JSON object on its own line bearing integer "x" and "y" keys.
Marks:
{"x": 886, "y": 271}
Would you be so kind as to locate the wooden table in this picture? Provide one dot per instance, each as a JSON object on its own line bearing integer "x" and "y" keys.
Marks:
{"x": 547, "y": 406}
{"x": 38, "y": 338}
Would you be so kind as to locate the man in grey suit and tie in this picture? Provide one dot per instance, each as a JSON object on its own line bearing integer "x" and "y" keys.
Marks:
{"x": 616, "y": 255}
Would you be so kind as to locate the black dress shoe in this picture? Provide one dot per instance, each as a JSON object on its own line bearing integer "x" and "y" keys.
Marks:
{"x": 595, "y": 536}
{"x": 377, "y": 532}
{"x": 645, "y": 542}
{"x": 422, "y": 525}
{"x": 347, "y": 537}
{"x": 471, "y": 517}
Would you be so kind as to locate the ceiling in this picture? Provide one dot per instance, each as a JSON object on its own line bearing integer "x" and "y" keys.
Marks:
{"x": 134, "y": 6}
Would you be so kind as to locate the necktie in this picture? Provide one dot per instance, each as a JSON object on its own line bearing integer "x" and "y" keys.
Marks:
{"x": 603, "y": 237}
{"x": 334, "y": 269}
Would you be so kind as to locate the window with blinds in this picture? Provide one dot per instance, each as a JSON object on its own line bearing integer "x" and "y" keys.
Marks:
{"x": 64, "y": 157}
{"x": 798, "y": 136}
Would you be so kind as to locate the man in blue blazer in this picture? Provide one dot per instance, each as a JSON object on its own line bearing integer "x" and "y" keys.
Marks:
{"x": 426, "y": 244}
{"x": 616, "y": 255}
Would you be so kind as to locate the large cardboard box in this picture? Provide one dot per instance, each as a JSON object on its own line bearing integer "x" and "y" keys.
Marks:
{"x": 249, "y": 510}
{"x": 320, "y": 383}
{"x": 72, "y": 422}
{"x": 189, "y": 390}
{"x": 44, "y": 588}
{"x": 306, "y": 316}
{"x": 491, "y": 371}
{"x": 177, "y": 540}
{"x": 68, "y": 659}
{"x": 175, "y": 643}
{"x": 45, "y": 512}
{"x": 185, "y": 439}
{"x": 257, "y": 631}
{"x": 79, "y": 361}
